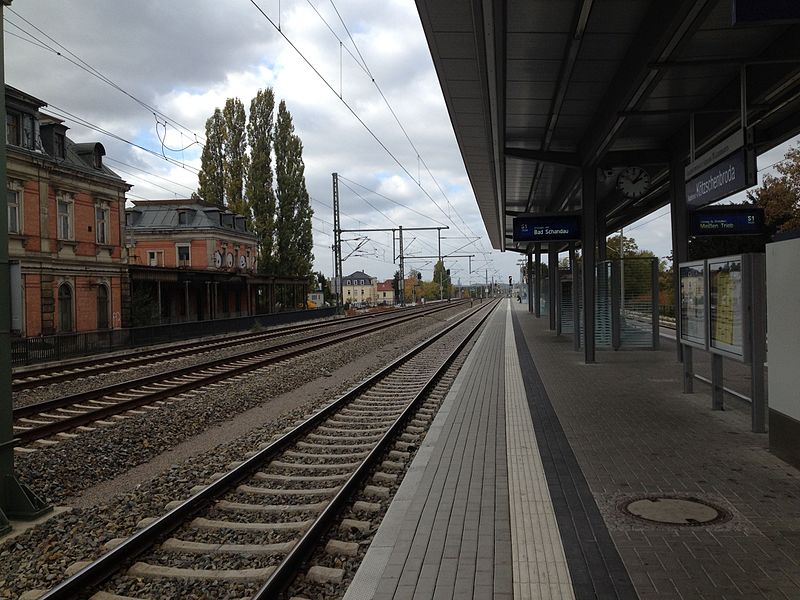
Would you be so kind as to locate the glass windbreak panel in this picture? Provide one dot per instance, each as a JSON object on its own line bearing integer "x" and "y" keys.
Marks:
{"x": 565, "y": 289}
{"x": 544, "y": 294}
{"x": 726, "y": 305}
{"x": 602, "y": 304}
{"x": 637, "y": 294}
{"x": 693, "y": 304}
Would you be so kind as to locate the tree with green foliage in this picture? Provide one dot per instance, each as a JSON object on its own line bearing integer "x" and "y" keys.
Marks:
{"x": 212, "y": 169}
{"x": 260, "y": 193}
{"x": 629, "y": 247}
{"x": 779, "y": 195}
{"x": 441, "y": 277}
{"x": 235, "y": 156}
{"x": 294, "y": 240}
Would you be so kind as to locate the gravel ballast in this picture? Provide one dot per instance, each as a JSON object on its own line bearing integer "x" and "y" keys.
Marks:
{"x": 156, "y": 442}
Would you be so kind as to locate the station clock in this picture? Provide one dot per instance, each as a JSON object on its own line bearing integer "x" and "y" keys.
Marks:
{"x": 633, "y": 182}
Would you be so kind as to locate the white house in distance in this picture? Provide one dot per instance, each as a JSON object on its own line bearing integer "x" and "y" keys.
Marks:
{"x": 359, "y": 287}
{"x": 385, "y": 293}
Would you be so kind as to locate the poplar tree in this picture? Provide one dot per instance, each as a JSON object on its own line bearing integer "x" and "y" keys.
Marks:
{"x": 293, "y": 225}
{"x": 212, "y": 170}
{"x": 260, "y": 195}
{"x": 235, "y": 156}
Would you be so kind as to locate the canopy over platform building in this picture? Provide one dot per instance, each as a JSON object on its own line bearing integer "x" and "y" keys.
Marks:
{"x": 597, "y": 108}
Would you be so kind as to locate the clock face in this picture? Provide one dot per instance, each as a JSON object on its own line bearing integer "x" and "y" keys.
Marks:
{"x": 633, "y": 182}
{"x": 242, "y": 262}
{"x": 229, "y": 260}
{"x": 217, "y": 259}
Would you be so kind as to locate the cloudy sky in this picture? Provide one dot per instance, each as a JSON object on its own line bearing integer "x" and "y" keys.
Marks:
{"x": 183, "y": 58}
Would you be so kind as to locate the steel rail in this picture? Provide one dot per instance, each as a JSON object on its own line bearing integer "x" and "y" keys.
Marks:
{"x": 105, "y": 364}
{"x": 287, "y": 569}
{"x": 107, "y": 565}
{"x": 284, "y": 351}
{"x": 32, "y": 409}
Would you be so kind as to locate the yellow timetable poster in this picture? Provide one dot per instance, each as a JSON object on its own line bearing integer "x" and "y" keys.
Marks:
{"x": 724, "y": 321}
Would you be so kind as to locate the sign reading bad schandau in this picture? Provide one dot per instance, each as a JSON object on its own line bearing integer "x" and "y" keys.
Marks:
{"x": 727, "y": 168}
{"x": 560, "y": 228}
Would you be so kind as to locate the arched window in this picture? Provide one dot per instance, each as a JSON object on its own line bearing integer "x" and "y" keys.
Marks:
{"x": 102, "y": 307}
{"x": 64, "y": 307}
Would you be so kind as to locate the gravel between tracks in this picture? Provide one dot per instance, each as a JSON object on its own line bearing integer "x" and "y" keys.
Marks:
{"x": 90, "y": 382}
{"x": 39, "y": 557}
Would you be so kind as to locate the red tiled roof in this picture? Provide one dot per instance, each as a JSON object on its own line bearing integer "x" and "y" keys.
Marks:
{"x": 385, "y": 286}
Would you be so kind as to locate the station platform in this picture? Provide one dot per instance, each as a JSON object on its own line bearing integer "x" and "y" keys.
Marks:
{"x": 530, "y": 479}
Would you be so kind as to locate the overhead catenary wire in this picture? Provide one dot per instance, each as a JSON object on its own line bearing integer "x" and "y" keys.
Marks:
{"x": 68, "y": 116}
{"x": 76, "y": 60}
{"x": 353, "y": 112}
{"x": 420, "y": 159}
{"x": 345, "y": 179}
{"x": 135, "y": 168}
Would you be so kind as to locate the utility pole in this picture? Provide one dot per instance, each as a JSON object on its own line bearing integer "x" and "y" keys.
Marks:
{"x": 17, "y": 501}
{"x": 441, "y": 264}
{"x": 337, "y": 246}
{"x": 402, "y": 283}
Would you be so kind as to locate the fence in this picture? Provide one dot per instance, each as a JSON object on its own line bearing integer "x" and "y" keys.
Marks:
{"x": 26, "y": 351}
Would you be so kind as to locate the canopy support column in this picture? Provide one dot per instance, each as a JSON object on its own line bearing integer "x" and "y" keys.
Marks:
{"x": 588, "y": 244}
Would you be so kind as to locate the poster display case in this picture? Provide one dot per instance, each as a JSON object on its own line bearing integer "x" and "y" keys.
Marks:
{"x": 728, "y": 285}
{"x": 693, "y": 308}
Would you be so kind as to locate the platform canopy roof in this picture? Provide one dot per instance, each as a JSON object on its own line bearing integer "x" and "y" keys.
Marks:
{"x": 538, "y": 90}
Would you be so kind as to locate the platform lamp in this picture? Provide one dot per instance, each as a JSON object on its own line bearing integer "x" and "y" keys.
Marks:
{"x": 17, "y": 501}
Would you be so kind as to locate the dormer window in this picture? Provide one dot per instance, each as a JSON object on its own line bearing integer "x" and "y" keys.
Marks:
{"x": 12, "y": 128}
{"x": 59, "y": 145}
{"x": 183, "y": 218}
{"x": 21, "y": 130}
{"x": 97, "y": 159}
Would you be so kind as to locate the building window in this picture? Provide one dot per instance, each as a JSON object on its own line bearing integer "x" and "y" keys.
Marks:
{"x": 152, "y": 258}
{"x": 12, "y": 128}
{"x": 101, "y": 214}
{"x": 66, "y": 203}
{"x": 102, "y": 307}
{"x": 184, "y": 258}
{"x": 28, "y": 133}
{"x": 59, "y": 145}
{"x": 64, "y": 307}
{"x": 183, "y": 218}
{"x": 14, "y": 225}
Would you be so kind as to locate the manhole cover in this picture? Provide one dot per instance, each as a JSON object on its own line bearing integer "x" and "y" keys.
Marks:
{"x": 674, "y": 511}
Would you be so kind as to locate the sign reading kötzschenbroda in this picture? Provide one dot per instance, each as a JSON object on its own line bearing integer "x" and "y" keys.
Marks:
{"x": 727, "y": 168}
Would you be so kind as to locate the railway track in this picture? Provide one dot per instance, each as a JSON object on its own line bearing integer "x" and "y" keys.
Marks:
{"x": 249, "y": 531}
{"x": 24, "y": 379}
{"x": 59, "y": 416}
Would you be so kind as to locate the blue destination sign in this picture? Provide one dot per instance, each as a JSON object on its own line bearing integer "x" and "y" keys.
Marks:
{"x": 765, "y": 11}
{"x": 727, "y": 221}
{"x": 734, "y": 173}
{"x": 562, "y": 228}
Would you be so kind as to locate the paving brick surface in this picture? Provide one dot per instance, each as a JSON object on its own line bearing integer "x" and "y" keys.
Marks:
{"x": 453, "y": 539}
{"x": 634, "y": 433}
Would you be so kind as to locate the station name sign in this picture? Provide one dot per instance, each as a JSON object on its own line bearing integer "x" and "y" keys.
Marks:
{"x": 727, "y": 221}
{"x": 560, "y": 228}
{"x": 727, "y": 168}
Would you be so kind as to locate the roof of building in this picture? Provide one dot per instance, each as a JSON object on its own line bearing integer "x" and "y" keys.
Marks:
{"x": 386, "y": 286}
{"x": 164, "y": 214}
{"x": 77, "y": 156}
{"x": 543, "y": 94}
{"x": 358, "y": 275}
